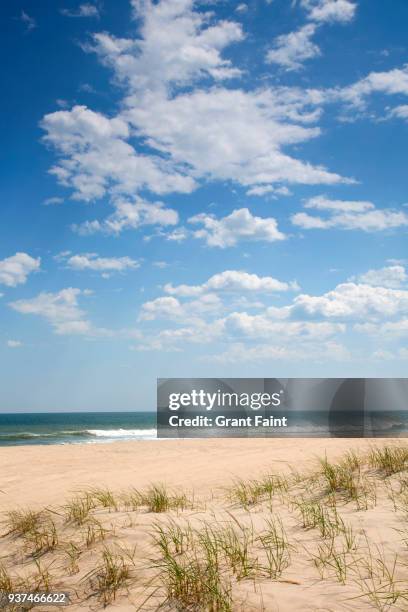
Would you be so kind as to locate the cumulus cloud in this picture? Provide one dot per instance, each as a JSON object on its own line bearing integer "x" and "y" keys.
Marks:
{"x": 291, "y": 50}
{"x": 389, "y": 276}
{"x": 349, "y": 215}
{"x": 210, "y": 131}
{"x": 232, "y": 134}
{"x": 352, "y": 301}
{"x": 264, "y": 326}
{"x": 97, "y": 160}
{"x": 14, "y": 270}
{"x": 330, "y": 10}
{"x": 61, "y": 310}
{"x": 130, "y": 215}
{"x": 307, "y": 325}
{"x": 239, "y": 226}
{"x": 171, "y": 308}
{"x": 232, "y": 281}
{"x": 177, "y": 45}
{"x": 104, "y": 265}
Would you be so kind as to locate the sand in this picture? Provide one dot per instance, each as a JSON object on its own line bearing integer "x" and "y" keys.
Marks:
{"x": 46, "y": 476}
{"x": 41, "y": 475}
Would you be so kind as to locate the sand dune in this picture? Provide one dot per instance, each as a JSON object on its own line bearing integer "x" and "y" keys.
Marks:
{"x": 291, "y": 535}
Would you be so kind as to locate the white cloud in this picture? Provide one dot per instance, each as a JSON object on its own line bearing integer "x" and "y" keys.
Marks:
{"x": 264, "y": 326}
{"x": 171, "y": 308}
{"x": 401, "y": 112}
{"x": 54, "y": 201}
{"x": 232, "y": 281}
{"x": 239, "y": 226}
{"x": 355, "y": 96}
{"x": 242, "y": 8}
{"x": 177, "y": 45}
{"x": 200, "y": 333}
{"x": 14, "y": 343}
{"x": 130, "y": 215}
{"x": 268, "y": 189}
{"x": 389, "y": 276}
{"x": 61, "y": 310}
{"x": 29, "y": 21}
{"x": 308, "y": 325}
{"x": 352, "y": 301}
{"x": 98, "y": 160}
{"x": 174, "y": 68}
{"x": 177, "y": 235}
{"x": 349, "y": 215}
{"x": 390, "y": 328}
{"x": 330, "y": 10}
{"x": 84, "y": 10}
{"x": 231, "y": 134}
{"x": 14, "y": 270}
{"x": 324, "y": 203}
{"x": 390, "y": 82}
{"x": 91, "y": 261}
{"x": 240, "y": 352}
{"x": 291, "y": 50}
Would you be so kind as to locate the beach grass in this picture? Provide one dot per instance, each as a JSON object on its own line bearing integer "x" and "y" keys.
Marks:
{"x": 112, "y": 573}
{"x": 227, "y": 553}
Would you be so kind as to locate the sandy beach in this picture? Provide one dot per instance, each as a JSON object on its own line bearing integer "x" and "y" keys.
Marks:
{"x": 42, "y": 475}
{"x": 109, "y": 523}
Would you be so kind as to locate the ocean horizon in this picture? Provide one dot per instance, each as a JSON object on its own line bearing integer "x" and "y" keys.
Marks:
{"x": 36, "y": 428}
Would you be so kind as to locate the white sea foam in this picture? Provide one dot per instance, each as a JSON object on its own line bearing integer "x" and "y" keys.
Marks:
{"x": 122, "y": 433}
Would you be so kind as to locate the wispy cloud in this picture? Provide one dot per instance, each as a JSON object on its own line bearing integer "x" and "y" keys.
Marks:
{"x": 84, "y": 10}
{"x": 28, "y": 21}
{"x": 14, "y": 343}
{"x": 61, "y": 309}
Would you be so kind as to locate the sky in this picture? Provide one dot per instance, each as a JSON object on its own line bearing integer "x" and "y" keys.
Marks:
{"x": 200, "y": 189}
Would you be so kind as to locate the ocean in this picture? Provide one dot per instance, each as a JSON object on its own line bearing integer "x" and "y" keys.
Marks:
{"x": 94, "y": 427}
{"x": 76, "y": 427}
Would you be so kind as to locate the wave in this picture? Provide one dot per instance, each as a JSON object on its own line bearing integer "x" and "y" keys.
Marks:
{"x": 65, "y": 435}
{"x": 121, "y": 433}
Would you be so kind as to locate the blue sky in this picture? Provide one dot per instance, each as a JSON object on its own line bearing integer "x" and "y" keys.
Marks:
{"x": 200, "y": 189}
